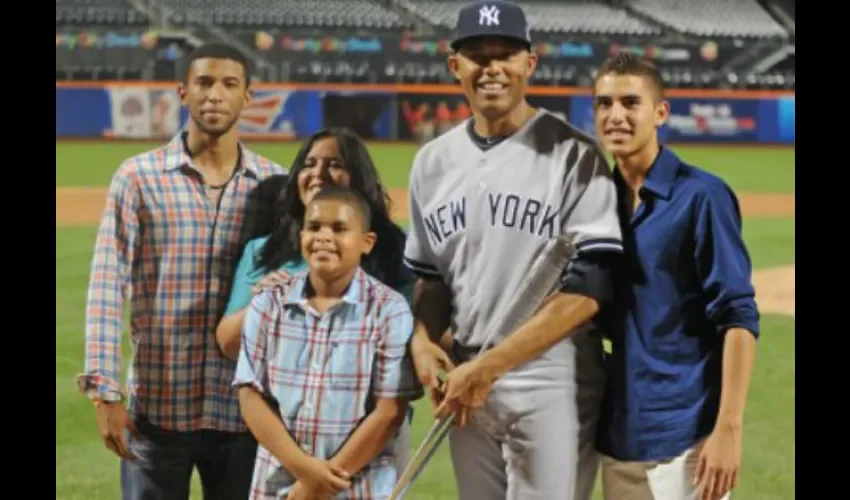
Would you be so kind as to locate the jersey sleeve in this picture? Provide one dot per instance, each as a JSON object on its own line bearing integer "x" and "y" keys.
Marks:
{"x": 592, "y": 274}
{"x": 590, "y": 209}
{"x": 418, "y": 255}
{"x": 591, "y": 217}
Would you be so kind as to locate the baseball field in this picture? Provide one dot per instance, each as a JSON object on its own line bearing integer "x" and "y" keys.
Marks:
{"x": 763, "y": 178}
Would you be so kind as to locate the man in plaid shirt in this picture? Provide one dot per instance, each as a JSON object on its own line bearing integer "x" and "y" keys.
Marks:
{"x": 171, "y": 232}
{"x": 330, "y": 352}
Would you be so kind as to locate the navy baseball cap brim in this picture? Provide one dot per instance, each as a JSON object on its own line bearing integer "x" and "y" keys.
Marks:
{"x": 494, "y": 18}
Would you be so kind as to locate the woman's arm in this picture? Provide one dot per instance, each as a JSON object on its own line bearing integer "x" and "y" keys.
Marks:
{"x": 228, "y": 334}
{"x": 229, "y": 329}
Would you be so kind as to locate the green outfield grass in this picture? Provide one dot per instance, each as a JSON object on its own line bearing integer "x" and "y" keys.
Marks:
{"x": 746, "y": 169}
{"x": 86, "y": 470}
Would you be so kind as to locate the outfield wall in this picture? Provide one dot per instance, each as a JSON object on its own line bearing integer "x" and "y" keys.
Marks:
{"x": 151, "y": 110}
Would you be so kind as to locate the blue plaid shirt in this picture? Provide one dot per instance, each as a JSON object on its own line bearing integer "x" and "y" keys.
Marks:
{"x": 325, "y": 370}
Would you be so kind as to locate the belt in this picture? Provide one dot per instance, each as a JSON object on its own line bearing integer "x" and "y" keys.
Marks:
{"x": 463, "y": 353}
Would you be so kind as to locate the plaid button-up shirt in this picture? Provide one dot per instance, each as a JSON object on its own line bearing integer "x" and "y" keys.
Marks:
{"x": 325, "y": 371}
{"x": 168, "y": 244}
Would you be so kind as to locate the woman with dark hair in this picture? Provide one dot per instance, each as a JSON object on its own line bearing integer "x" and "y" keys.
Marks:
{"x": 331, "y": 156}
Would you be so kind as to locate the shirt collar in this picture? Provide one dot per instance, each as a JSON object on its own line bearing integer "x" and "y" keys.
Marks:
{"x": 177, "y": 157}
{"x": 661, "y": 175}
{"x": 297, "y": 294}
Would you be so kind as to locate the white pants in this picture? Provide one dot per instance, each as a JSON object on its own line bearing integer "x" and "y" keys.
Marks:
{"x": 671, "y": 479}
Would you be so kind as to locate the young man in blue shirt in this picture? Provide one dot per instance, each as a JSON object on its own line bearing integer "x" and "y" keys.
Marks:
{"x": 684, "y": 323}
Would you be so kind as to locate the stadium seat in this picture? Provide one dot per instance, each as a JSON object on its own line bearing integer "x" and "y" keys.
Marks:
{"x": 361, "y": 14}
{"x": 82, "y": 26}
{"x": 98, "y": 13}
{"x": 717, "y": 18}
{"x": 547, "y": 17}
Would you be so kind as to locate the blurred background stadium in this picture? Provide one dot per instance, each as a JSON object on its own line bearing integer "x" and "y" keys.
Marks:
{"x": 378, "y": 66}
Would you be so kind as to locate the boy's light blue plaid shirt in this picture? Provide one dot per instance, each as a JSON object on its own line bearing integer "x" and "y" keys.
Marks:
{"x": 325, "y": 370}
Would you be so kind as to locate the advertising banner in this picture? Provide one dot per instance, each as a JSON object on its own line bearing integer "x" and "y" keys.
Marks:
{"x": 165, "y": 113}
{"x": 422, "y": 117}
{"x": 368, "y": 115}
{"x": 360, "y": 46}
{"x": 287, "y": 112}
{"x": 279, "y": 114}
{"x": 130, "y": 109}
{"x": 713, "y": 120}
{"x": 581, "y": 114}
{"x": 143, "y": 112}
{"x": 557, "y": 105}
{"x": 120, "y": 112}
{"x": 787, "y": 119}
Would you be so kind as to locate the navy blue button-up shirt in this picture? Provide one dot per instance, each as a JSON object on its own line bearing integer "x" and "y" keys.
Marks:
{"x": 686, "y": 281}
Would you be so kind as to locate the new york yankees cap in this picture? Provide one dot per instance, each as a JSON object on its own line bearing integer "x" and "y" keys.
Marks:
{"x": 500, "y": 18}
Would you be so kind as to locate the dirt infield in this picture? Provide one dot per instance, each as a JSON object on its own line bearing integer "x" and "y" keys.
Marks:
{"x": 775, "y": 287}
{"x": 82, "y": 205}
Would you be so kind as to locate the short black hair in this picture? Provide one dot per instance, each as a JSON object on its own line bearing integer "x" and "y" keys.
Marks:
{"x": 627, "y": 63}
{"x": 215, "y": 50}
{"x": 344, "y": 194}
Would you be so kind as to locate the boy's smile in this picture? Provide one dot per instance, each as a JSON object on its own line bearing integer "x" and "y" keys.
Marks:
{"x": 333, "y": 238}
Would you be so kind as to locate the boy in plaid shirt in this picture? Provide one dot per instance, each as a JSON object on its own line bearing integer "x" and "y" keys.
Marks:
{"x": 323, "y": 374}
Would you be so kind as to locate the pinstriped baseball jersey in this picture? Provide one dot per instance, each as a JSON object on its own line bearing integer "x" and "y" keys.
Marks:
{"x": 479, "y": 217}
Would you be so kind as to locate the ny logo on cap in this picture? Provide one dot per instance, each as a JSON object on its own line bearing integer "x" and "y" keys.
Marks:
{"x": 488, "y": 15}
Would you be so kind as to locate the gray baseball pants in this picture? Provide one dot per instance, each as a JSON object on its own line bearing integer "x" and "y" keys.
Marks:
{"x": 534, "y": 438}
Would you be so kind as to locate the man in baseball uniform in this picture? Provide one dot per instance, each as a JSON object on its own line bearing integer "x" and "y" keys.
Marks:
{"x": 485, "y": 197}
